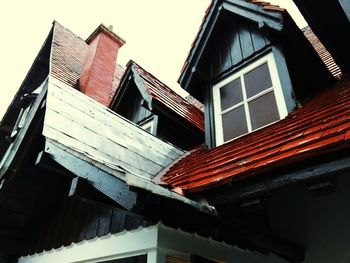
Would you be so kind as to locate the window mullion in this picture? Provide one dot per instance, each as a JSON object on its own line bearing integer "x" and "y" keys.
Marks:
{"x": 246, "y": 108}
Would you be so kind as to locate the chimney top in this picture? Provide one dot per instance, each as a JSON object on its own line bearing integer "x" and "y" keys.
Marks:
{"x": 107, "y": 30}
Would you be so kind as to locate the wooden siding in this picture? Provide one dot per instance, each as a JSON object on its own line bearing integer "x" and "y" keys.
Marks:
{"x": 103, "y": 137}
{"x": 76, "y": 220}
{"x": 233, "y": 43}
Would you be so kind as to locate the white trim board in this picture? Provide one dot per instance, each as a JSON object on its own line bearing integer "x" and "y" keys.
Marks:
{"x": 155, "y": 241}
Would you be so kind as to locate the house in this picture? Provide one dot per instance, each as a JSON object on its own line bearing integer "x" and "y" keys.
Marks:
{"x": 276, "y": 151}
{"x": 87, "y": 176}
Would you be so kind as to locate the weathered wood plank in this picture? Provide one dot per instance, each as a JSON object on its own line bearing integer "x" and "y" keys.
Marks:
{"x": 246, "y": 42}
{"x": 236, "y": 51}
{"x": 14, "y": 148}
{"x": 93, "y": 109}
{"x": 111, "y": 186}
{"x": 100, "y": 149}
{"x": 94, "y": 155}
{"x": 55, "y": 118}
{"x": 76, "y": 121}
{"x": 258, "y": 39}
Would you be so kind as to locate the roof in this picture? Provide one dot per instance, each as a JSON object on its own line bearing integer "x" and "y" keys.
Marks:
{"x": 101, "y": 136}
{"x": 321, "y": 126}
{"x": 169, "y": 98}
{"x": 322, "y": 52}
{"x": 68, "y": 55}
{"x": 144, "y": 237}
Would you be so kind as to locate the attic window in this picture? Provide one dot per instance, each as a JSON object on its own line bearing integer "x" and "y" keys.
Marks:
{"x": 150, "y": 124}
{"x": 248, "y": 100}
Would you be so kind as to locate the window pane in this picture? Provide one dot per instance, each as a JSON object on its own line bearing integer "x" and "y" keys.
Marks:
{"x": 257, "y": 80}
{"x": 234, "y": 123}
{"x": 231, "y": 94}
{"x": 263, "y": 110}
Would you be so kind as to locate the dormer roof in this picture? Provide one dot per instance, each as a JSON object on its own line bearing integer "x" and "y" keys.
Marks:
{"x": 268, "y": 18}
{"x": 152, "y": 89}
{"x": 263, "y": 13}
{"x": 321, "y": 126}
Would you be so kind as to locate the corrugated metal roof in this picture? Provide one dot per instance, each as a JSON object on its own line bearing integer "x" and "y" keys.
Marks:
{"x": 169, "y": 98}
{"x": 321, "y": 126}
{"x": 322, "y": 52}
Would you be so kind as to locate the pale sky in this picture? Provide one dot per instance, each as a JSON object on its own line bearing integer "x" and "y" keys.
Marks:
{"x": 158, "y": 33}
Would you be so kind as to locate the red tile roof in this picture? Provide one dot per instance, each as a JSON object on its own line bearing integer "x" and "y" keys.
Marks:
{"x": 195, "y": 102}
{"x": 322, "y": 52}
{"x": 321, "y": 126}
{"x": 68, "y": 55}
{"x": 170, "y": 99}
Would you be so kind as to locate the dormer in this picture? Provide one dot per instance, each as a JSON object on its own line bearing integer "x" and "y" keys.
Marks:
{"x": 156, "y": 108}
{"x": 250, "y": 65}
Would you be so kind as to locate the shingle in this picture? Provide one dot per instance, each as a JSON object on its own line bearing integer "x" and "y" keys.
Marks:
{"x": 322, "y": 52}
{"x": 68, "y": 55}
{"x": 170, "y": 99}
{"x": 321, "y": 126}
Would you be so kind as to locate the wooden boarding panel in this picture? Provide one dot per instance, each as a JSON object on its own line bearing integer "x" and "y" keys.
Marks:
{"x": 76, "y": 121}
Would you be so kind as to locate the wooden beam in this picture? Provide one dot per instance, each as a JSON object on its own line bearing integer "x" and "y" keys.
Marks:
{"x": 19, "y": 146}
{"x": 305, "y": 175}
{"x": 82, "y": 189}
{"x": 109, "y": 185}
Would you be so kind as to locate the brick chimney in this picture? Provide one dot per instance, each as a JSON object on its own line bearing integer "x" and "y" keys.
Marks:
{"x": 100, "y": 64}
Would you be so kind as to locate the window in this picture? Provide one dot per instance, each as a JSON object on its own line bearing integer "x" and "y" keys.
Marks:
{"x": 148, "y": 126}
{"x": 248, "y": 100}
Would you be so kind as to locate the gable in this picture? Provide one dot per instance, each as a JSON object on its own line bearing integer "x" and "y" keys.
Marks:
{"x": 233, "y": 42}
{"x": 154, "y": 93}
{"x": 260, "y": 26}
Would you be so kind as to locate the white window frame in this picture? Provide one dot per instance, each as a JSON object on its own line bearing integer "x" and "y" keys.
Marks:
{"x": 276, "y": 88}
{"x": 148, "y": 124}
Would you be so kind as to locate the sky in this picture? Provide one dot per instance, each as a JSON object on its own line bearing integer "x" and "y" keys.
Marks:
{"x": 158, "y": 33}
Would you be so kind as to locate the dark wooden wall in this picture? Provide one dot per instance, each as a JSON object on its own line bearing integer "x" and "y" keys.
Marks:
{"x": 76, "y": 220}
{"x": 170, "y": 130}
{"x": 130, "y": 106}
{"x": 233, "y": 43}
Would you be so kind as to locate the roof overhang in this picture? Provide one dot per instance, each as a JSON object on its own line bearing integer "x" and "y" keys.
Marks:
{"x": 156, "y": 242}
